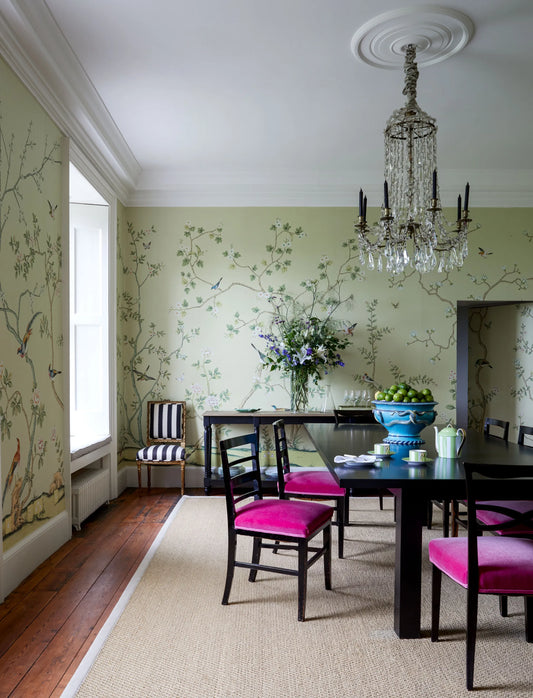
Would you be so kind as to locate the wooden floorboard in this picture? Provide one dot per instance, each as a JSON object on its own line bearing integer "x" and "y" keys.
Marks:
{"x": 48, "y": 623}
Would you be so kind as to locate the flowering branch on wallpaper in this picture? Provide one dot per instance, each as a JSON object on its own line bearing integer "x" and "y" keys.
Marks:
{"x": 304, "y": 346}
{"x": 29, "y": 312}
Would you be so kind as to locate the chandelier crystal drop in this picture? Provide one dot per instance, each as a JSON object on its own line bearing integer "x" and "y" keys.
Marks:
{"x": 412, "y": 229}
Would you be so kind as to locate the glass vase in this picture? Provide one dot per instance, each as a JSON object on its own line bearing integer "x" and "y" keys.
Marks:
{"x": 299, "y": 391}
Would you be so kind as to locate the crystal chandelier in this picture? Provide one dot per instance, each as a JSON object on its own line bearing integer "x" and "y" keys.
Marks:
{"x": 412, "y": 229}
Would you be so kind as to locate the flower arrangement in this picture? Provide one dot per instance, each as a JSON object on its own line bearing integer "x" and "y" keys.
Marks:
{"x": 306, "y": 347}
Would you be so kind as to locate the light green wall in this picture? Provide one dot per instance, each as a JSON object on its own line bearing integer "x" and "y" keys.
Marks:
{"x": 194, "y": 342}
{"x": 31, "y": 393}
{"x": 501, "y": 365}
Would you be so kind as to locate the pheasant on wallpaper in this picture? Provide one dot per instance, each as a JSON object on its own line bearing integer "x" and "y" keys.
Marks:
{"x": 22, "y": 350}
{"x": 14, "y": 463}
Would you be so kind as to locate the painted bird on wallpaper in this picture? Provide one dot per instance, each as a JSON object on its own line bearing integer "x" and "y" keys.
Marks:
{"x": 21, "y": 351}
{"x": 483, "y": 362}
{"x": 483, "y": 253}
{"x": 216, "y": 286}
{"x": 52, "y": 209}
{"x": 143, "y": 375}
{"x": 367, "y": 379}
{"x": 261, "y": 355}
{"x": 14, "y": 463}
{"x": 348, "y": 329}
{"x": 52, "y": 372}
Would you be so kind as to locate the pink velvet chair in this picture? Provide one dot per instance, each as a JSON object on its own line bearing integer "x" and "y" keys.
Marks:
{"x": 520, "y": 506}
{"x": 500, "y": 565}
{"x": 294, "y": 523}
{"x": 305, "y": 484}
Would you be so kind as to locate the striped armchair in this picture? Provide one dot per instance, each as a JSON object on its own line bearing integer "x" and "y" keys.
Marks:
{"x": 165, "y": 438}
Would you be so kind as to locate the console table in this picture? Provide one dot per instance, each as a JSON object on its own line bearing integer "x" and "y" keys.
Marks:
{"x": 260, "y": 418}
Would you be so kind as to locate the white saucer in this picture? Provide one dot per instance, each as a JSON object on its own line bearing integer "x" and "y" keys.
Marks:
{"x": 417, "y": 462}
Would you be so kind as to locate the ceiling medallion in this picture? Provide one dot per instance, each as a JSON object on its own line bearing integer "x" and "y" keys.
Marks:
{"x": 437, "y": 32}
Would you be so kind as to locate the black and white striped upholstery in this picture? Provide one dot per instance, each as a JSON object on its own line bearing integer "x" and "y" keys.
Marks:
{"x": 161, "y": 453}
{"x": 165, "y": 438}
{"x": 164, "y": 420}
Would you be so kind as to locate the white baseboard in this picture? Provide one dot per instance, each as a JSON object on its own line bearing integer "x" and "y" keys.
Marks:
{"x": 21, "y": 560}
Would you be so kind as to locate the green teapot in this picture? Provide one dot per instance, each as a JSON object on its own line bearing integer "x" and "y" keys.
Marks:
{"x": 449, "y": 441}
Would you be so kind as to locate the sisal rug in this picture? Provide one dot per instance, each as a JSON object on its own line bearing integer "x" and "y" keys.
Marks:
{"x": 174, "y": 638}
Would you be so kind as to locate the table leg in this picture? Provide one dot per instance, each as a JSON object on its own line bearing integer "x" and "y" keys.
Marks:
{"x": 208, "y": 439}
{"x": 410, "y": 515}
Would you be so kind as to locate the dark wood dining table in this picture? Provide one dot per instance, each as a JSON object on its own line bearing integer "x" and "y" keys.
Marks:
{"x": 440, "y": 478}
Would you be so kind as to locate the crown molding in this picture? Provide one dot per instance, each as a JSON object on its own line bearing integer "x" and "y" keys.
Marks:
{"x": 504, "y": 189}
{"x": 35, "y": 48}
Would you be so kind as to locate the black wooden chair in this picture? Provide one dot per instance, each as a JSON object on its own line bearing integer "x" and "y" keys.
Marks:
{"x": 307, "y": 484}
{"x": 294, "y": 523}
{"x": 165, "y": 438}
{"x": 501, "y": 564}
{"x": 519, "y": 506}
{"x": 495, "y": 429}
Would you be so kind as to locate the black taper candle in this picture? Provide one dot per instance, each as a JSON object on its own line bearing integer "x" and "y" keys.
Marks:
{"x": 364, "y": 209}
{"x": 467, "y": 195}
{"x": 434, "y": 195}
{"x": 360, "y": 202}
{"x": 386, "y": 194}
{"x": 459, "y": 207}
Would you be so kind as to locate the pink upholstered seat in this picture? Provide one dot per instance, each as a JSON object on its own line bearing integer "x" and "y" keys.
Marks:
{"x": 502, "y": 564}
{"x": 494, "y": 518}
{"x": 320, "y": 484}
{"x": 283, "y": 517}
{"x": 290, "y": 525}
{"x": 505, "y": 564}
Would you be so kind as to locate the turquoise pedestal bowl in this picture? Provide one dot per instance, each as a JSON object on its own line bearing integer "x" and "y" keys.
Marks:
{"x": 404, "y": 420}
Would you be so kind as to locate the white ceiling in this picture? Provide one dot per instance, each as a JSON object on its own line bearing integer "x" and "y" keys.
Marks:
{"x": 247, "y": 102}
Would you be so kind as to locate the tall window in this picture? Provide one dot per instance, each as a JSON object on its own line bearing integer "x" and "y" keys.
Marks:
{"x": 89, "y": 316}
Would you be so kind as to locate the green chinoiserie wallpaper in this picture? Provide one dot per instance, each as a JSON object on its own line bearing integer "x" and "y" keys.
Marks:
{"x": 31, "y": 315}
{"x": 198, "y": 286}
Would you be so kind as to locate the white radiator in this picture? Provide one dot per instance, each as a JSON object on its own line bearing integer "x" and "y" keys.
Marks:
{"x": 90, "y": 489}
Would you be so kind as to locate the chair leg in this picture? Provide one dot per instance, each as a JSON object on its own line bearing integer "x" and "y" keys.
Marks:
{"x": 528, "y": 608}
{"x": 381, "y": 502}
{"x": 182, "y": 479}
{"x": 139, "y": 475}
{"x": 446, "y": 518}
{"x": 347, "y": 507}
{"x": 149, "y": 472}
{"x": 429, "y": 515}
{"x": 454, "y": 515}
{"x": 302, "y": 578}
{"x": 471, "y": 629}
{"x": 232, "y": 547}
{"x": 326, "y": 538}
{"x": 504, "y": 611}
{"x": 256, "y": 554}
{"x": 436, "y": 583}
{"x": 340, "y": 525}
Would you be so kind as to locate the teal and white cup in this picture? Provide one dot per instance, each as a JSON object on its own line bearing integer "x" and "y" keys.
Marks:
{"x": 381, "y": 449}
{"x": 417, "y": 455}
